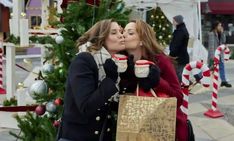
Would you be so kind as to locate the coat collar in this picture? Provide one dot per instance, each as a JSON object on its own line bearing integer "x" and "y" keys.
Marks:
{"x": 180, "y": 26}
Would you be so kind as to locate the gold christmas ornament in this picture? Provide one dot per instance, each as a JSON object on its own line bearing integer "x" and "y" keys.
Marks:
{"x": 20, "y": 85}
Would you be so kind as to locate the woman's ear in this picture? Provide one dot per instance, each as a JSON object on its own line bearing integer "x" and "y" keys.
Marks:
{"x": 140, "y": 43}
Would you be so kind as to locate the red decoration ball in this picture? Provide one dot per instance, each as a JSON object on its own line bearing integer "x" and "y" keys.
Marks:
{"x": 40, "y": 110}
{"x": 58, "y": 101}
{"x": 56, "y": 123}
{"x": 62, "y": 19}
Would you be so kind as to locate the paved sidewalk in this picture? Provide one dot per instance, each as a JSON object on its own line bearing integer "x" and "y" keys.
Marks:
{"x": 213, "y": 129}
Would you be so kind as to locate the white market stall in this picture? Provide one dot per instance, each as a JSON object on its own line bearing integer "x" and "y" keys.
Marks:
{"x": 189, "y": 9}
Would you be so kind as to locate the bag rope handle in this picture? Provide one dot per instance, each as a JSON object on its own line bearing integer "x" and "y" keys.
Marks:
{"x": 151, "y": 90}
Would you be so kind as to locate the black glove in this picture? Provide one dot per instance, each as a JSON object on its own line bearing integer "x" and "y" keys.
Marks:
{"x": 198, "y": 77}
{"x": 111, "y": 69}
{"x": 130, "y": 62}
{"x": 151, "y": 80}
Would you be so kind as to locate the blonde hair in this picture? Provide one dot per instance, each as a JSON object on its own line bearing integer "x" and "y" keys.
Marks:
{"x": 149, "y": 42}
{"x": 96, "y": 35}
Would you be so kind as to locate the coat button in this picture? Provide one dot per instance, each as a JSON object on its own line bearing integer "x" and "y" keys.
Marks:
{"x": 98, "y": 118}
{"x": 109, "y": 116}
{"x": 105, "y": 103}
{"x": 108, "y": 130}
{"x": 124, "y": 88}
{"x": 96, "y": 132}
{"x": 98, "y": 109}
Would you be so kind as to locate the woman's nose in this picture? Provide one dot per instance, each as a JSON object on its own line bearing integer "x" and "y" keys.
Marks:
{"x": 121, "y": 35}
{"x": 124, "y": 35}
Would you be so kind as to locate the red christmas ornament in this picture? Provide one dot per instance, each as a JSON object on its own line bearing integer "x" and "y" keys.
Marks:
{"x": 58, "y": 101}
{"x": 56, "y": 123}
{"x": 62, "y": 19}
{"x": 40, "y": 110}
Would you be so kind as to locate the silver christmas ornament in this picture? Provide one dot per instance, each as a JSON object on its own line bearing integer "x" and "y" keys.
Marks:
{"x": 59, "y": 39}
{"x": 51, "y": 107}
{"x": 47, "y": 68}
{"x": 38, "y": 88}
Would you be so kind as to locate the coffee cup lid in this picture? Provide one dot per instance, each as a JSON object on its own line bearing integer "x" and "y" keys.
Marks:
{"x": 144, "y": 62}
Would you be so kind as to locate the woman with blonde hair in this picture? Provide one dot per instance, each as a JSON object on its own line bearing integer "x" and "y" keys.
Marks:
{"x": 141, "y": 43}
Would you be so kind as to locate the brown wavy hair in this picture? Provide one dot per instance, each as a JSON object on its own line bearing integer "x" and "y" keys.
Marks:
{"x": 148, "y": 38}
{"x": 96, "y": 35}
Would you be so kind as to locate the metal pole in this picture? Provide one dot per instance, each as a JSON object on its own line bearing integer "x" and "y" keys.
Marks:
{"x": 199, "y": 20}
{"x": 10, "y": 70}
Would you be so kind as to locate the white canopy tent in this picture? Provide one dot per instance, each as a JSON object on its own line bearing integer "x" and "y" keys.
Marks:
{"x": 189, "y": 9}
{"x": 6, "y": 3}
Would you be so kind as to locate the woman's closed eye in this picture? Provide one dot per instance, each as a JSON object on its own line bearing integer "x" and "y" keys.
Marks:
{"x": 113, "y": 32}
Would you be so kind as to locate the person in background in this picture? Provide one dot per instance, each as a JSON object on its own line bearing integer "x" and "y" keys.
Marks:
{"x": 178, "y": 45}
{"x": 92, "y": 81}
{"x": 216, "y": 37}
{"x": 140, "y": 42}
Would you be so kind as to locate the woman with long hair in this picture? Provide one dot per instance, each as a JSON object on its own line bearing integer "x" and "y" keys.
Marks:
{"x": 141, "y": 43}
{"x": 92, "y": 81}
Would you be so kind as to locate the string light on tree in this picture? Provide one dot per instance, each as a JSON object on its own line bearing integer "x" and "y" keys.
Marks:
{"x": 161, "y": 25}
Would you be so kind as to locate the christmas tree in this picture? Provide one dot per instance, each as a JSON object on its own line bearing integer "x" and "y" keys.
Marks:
{"x": 49, "y": 88}
{"x": 161, "y": 25}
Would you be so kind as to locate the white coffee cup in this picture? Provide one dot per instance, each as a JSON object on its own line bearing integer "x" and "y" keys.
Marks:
{"x": 121, "y": 62}
{"x": 142, "y": 68}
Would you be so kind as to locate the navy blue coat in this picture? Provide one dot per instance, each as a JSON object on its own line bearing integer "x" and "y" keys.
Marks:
{"x": 86, "y": 104}
{"x": 179, "y": 43}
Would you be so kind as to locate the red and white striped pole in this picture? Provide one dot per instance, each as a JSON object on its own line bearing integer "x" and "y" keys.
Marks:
{"x": 205, "y": 81}
{"x": 214, "y": 112}
{"x": 2, "y": 90}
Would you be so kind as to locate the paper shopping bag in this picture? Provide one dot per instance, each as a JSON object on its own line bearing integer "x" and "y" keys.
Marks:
{"x": 146, "y": 119}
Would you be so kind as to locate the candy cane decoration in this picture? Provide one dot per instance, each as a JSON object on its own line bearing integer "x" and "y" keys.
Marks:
{"x": 214, "y": 112}
{"x": 205, "y": 81}
{"x": 2, "y": 90}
